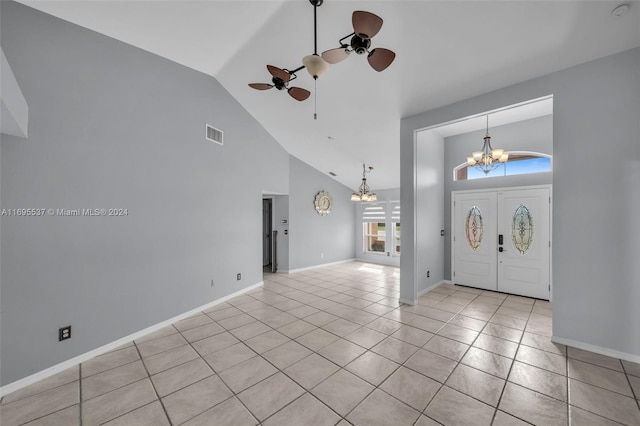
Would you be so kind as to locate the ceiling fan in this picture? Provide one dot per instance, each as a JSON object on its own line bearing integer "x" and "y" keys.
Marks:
{"x": 365, "y": 25}
{"x": 281, "y": 79}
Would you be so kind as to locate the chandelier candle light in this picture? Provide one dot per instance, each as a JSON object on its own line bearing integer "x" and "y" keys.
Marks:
{"x": 365, "y": 193}
{"x": 489, "y": 158}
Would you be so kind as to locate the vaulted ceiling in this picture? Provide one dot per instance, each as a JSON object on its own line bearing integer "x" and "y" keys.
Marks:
{"x": 447, "y": 51}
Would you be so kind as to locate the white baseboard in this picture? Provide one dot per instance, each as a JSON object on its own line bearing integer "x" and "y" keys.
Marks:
{"x": 597, "y": 349}
{"x": 19, "y": 384}
{"x": 292, "y": 271}
{"x": 421, "y": 292}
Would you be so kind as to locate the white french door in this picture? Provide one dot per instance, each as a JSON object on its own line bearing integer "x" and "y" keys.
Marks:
{"x": 501, "y": 240}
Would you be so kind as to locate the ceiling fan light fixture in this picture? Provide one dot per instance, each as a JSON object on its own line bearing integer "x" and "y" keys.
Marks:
{"x": 316, "y": 66}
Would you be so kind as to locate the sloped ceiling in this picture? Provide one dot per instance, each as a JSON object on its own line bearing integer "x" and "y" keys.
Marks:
{"x": 447, "y": 51}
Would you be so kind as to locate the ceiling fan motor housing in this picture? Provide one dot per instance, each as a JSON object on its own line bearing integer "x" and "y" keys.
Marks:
{"x": 360, "y": 45}
{"x": 279, "y": 83}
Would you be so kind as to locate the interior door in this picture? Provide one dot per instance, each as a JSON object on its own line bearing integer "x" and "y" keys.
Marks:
{"x": 524, "y": 255}
{"x": 474, "y": 240}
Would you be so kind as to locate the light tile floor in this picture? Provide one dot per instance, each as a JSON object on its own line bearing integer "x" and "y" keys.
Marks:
{"x": 332, "y": 346}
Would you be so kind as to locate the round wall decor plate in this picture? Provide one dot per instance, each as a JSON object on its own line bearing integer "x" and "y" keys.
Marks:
{"x": 323, "y": 203}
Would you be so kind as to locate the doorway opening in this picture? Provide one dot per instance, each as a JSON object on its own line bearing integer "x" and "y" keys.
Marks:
{"x": 267, "y": 237}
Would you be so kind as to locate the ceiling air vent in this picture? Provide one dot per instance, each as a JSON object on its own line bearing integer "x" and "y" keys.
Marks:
{"x": 333, "y": 174}
{"x": 214, "y": 135}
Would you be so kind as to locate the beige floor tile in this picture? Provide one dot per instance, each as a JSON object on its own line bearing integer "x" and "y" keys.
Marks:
{"x": 454, "y": 408}
{"x": 482, "y": 313}
{"x": 542, "y": 359}
{"x": 270, "y": 395}
{"x": 385, "y": 325}
{"x": 594, "y": 358}
{"x": 40, "y": 404}
{"x": 266, "y": 341}
{"x": 372, "y": 367}
{"x": 599, "y": 376}
{"x": 543, "y": 329}
{"x": 229, "y": 357}
{"x": 461, "y": 334}
{"x": 488, "y": 362}
{"x": 69, "y": 416}
{"x": 236, "y": 321}
{"x": 221, "y": 314}
{"x": 117, "y": 402}
{"x": 508, "y": 321}
{"x": 296, "y": 329}
{"x": 317, "y": 339}
{"x": 401, "y": 316}
{"x": 199, "y": 333}
{"x": 431, "y": 365}
{"x": 247, "y": 373}
{"x": 341, "y": 327}
{"x": 382, "y": 409}
{"x": 115, "y": 378}
{"x": 311, "y": 370}
{"x": 427, "y": 324}
{"x": 451, "y": 349}
{"x": 533, "y": 407}
{"x": 286, "y": 355}
{"x": 635, "y": 384}
{"x": 514, "y": 313}
{"x": 108, "y": 361}
{"x": 67, "y": 376}
{"x": 468, "y": 322}
{"x": 360, "y": 317}
{"x": 214, "y": 343}
{"x": 543, "y": 343}
{"x": 228, "y": 413}
{"x": 342, "y": 391}
{"x": 539, "y": 380}
{"x": 161, "y": 344}
{"x": 437, "y": 313}
{"x": 320, "y": 318}
{"x": 279, "y": 320}
{"x": 342, "y": 352}
{"x": 476, "y": 383}
{"x": 181, "y": 376}
{"x": 504, "y": 419}
{"x": 303, "y": 311}
{"x": 496, "y": 345}
{"x": 604, "y": 403}
{"x": 426, "y": 421}
{"x": 192, "y": 322}
{"x": 195, "y": 399}
{"x": 415, "y": 336}
{"x": 163, "y": 332}
{"x": 306, "y": 410}
{"x": 394, "y": 349}
{"x": 507, "y": 333}
{"x": 378, "y": 309}
{"x": 151, "y": 414}
{"x": 410, "y": 387}
{"x": 631, "y": 368}
{"x": 580, "y": 417}
{"x": 366, "y": 337}
{"x": 169, "y": 359}
{"x": 250, "y": 330}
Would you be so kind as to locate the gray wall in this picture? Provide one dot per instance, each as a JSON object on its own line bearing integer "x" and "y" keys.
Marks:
{"x": 430, "y": 207}
{"x": 530, "y": 135}
{"x": 112, "y": 126}
{"x": 315, "y": 239}
{"x": 595, "y": 250}
{"x": 384, "y": 195}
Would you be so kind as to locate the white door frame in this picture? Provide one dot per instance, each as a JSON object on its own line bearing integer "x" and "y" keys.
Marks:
{"x": 511, "y": 188}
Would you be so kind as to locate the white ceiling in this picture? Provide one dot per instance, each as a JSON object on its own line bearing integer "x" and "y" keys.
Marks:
{"x": 447, "y": 51}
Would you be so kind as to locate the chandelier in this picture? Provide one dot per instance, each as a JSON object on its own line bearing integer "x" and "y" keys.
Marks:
{"x": 489, "y": 158}
{"x": 364, "y": 193}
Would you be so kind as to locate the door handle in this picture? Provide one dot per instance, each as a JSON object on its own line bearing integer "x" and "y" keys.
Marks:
{"x": 500, "y": 249}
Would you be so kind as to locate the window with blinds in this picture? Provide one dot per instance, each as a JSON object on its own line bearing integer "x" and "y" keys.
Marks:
{"x": 374, "y": 219}
{"x": 395, "y": 226}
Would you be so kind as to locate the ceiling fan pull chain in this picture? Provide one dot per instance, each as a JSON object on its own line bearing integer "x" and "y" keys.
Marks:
{"x": 315, "y": 99}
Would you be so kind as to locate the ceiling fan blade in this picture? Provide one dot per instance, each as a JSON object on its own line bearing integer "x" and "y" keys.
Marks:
{"x": 260, "y": 86}
{"x": 380, "y": 59}
{"x": 298, "y": 93}
{"x": 366, "y": 24}
{"x": 279, "y": 73}
{"x": 333, "y": 56}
